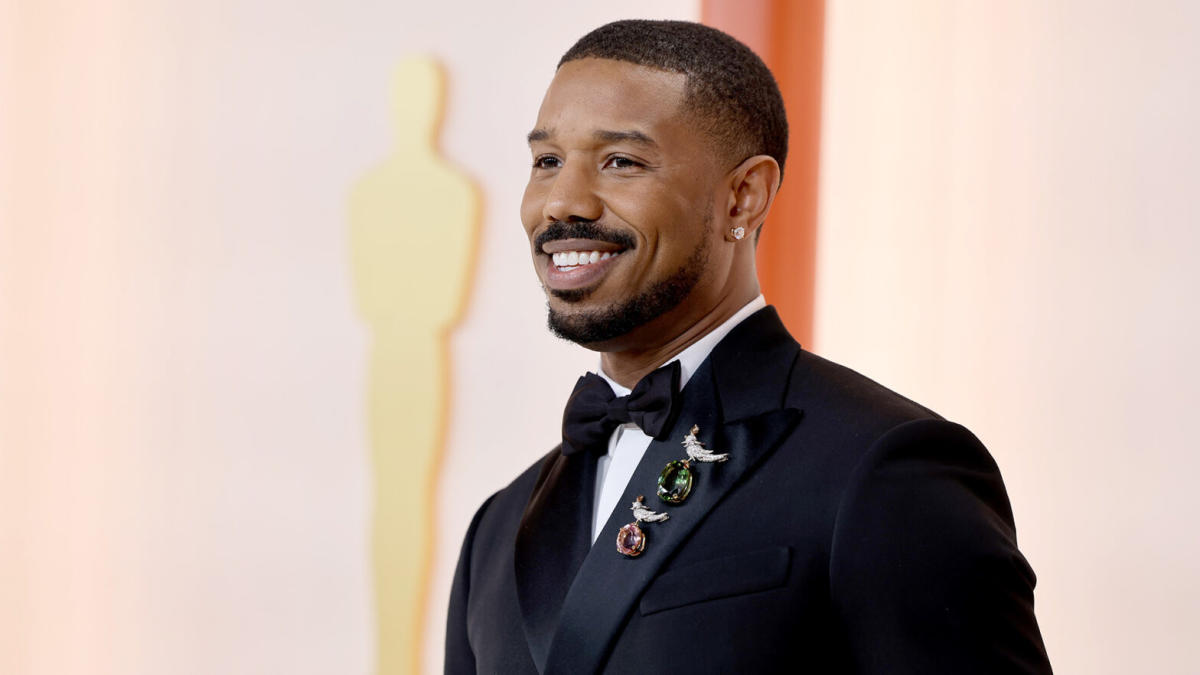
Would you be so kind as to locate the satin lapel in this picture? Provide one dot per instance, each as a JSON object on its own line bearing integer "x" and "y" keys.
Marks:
{"x": 608, "y": 584}
{"x": 552, "y": 541}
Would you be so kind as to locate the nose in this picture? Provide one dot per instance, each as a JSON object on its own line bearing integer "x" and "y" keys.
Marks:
{"x": 572, "y": 195}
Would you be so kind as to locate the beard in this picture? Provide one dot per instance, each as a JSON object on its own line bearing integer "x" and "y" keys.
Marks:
{"x": 622, "y": 317}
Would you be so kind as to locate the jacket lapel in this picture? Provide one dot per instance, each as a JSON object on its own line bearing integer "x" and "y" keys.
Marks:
{"x": 552, "y": 541}
{"x": 737, "y": 400}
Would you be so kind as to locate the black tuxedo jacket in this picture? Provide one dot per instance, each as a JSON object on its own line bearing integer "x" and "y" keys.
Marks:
{"x": 851, "y": 530}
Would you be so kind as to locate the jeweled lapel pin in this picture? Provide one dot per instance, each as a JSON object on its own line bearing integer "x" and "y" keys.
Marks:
{"x": 675, "y": 481}
{"x": 631, "y": 540}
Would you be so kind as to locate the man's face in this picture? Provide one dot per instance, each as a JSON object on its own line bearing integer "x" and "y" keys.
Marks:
{"x": 619, "y": 204}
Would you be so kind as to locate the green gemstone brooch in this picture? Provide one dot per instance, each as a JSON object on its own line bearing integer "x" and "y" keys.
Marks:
{"x": 675, "y": 481}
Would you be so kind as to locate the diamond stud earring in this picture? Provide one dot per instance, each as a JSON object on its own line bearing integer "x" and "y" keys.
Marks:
{"x": 738, "y": 232}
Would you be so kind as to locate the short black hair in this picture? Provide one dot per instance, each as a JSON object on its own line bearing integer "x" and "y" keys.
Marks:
{"x": 731, "y": 90}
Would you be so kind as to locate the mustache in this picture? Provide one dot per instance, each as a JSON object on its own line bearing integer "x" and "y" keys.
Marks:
{"x": 583, "y": 229}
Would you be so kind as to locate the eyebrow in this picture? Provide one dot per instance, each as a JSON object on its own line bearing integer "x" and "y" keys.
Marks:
{"x": 603, "y": 135}
{"x": 619, "y": 136}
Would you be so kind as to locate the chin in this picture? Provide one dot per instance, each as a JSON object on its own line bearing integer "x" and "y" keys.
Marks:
{"x": 600, "y": 326}
{"x": 570, "y": 297}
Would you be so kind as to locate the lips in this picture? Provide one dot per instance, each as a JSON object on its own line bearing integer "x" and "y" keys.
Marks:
{"x": 573, "y": 264}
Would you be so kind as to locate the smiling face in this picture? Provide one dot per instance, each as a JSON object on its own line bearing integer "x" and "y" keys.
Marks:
{"x": 622, "y": 207}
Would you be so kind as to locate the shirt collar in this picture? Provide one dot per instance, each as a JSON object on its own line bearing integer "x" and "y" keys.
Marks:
{"x": 691, "y": 358}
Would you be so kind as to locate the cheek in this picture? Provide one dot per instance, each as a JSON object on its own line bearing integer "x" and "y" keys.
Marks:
{"x": 680, "y": 221}
{"x": 655, "y": 210}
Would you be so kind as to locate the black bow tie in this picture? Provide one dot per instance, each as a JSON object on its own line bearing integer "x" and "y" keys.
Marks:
{"x": 593, "y": 411}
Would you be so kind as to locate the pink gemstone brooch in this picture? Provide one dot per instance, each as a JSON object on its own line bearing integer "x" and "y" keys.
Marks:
{"x": 631, "y": 540}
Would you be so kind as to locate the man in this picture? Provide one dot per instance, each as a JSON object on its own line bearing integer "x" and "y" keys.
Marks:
{"x": 748, "y": 506}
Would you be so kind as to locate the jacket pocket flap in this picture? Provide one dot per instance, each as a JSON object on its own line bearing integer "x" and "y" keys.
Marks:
{"x": 719, "y": 578}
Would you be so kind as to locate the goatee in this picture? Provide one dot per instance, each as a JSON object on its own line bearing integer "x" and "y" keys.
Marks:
{"x": 612, "y": 322}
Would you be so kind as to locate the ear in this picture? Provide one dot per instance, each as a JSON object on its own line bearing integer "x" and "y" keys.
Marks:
{"x": 753, "y": 185}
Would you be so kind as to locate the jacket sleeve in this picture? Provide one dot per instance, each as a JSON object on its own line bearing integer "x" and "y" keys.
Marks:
{"x": 925, "y": 574}
{"x": 460, "y": 658}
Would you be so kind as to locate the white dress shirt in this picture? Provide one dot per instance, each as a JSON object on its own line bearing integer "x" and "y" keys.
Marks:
{"x": 628, "y": 443}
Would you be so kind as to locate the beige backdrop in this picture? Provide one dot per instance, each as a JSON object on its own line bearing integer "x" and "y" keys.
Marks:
{"x": 1008, "y": 234}
{"x": 185, "y": 485}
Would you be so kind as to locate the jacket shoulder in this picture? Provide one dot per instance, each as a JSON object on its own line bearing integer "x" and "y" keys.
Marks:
{"x": 855, "y": 402}
{"x": 512, "y": 498}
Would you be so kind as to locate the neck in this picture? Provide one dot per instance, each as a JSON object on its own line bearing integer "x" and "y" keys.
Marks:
{"x": 628, "y": 366}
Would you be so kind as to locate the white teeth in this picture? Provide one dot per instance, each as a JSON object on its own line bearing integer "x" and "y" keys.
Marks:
{"x": 572, "y": 259}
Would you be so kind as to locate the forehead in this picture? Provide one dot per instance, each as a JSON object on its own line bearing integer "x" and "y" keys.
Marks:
{"x": 603, "y": 94}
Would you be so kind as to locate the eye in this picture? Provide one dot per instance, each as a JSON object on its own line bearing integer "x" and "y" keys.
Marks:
{"x": 546, "y": 162}
{"x": 623, "y": 162}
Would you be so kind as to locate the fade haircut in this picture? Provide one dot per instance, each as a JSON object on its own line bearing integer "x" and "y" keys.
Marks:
{"x": 730, "y": 91}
